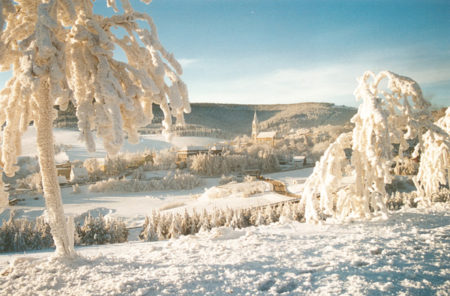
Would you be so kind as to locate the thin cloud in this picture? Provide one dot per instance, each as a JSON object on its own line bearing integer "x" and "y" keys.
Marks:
{"x": 281, "y": 86}
{"x": 331, "y": 82}
{"x": 185, "y": 62}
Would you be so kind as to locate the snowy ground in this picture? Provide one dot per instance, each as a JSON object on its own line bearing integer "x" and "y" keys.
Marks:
{"x": 294, "y": 179}
{"x": 133, "y": 207}
{"x": 405, "y": 255}
{"x": 76, "y": 150}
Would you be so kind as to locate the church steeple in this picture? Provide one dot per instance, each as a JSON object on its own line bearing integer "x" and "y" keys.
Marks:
{"x": 255, "y": 127}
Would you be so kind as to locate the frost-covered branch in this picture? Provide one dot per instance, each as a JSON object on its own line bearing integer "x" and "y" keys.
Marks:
{"x": 60, "y": 51}
{"x": 118, "y": 96}
{"x": 386, "y": 116}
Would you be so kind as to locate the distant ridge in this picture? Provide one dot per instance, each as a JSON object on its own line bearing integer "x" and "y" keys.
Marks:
{"x": 230, "y": 120}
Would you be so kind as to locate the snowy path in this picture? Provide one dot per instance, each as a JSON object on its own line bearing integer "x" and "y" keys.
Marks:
{"x": 405, "y": 255}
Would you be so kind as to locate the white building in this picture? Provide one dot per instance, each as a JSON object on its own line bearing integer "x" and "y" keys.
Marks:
{"x": 255, "y": 127}
{"x": 262, "y": 137}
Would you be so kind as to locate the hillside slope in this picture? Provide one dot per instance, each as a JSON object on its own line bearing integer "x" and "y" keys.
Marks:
{"x": 229, "y": 120}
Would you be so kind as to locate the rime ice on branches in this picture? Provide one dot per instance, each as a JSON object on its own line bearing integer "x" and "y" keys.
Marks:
{"x": 393, "y": 110}
{"x": 60, "y": 51}
{"x": 434, "y": 169}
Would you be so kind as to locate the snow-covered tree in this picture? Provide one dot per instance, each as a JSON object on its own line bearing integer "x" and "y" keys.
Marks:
{"x": 434, "y": 169}
{"x": 393, "y": 110}
{"x": 61, "y": 51}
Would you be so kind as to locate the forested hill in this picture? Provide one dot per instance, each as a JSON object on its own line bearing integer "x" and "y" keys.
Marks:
{"x": 229, "y": 120}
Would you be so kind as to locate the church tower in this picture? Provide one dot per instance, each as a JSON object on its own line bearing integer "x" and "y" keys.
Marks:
{"x": 255, "y": 127}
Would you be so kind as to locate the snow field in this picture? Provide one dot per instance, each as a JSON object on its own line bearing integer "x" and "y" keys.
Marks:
{"x": 76, "y": 149}
{"x": 404, "y": 255}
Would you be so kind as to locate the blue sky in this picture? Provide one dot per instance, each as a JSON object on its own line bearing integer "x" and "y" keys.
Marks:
{"x": 289, "y": 51}
{"x": 286, "y": 51}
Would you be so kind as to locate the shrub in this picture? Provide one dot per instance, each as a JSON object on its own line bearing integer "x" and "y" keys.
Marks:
{"x": 398, "y": 200}
{"x": 18, "y": 235}
{"x": 32, "y": 182}
{"x": 98, "y": 231}
{"x": 173, "y": 181}
{"x": 161, "y": 226}
{"x": 216, "y": 165}
{"x": 227, "y": 179}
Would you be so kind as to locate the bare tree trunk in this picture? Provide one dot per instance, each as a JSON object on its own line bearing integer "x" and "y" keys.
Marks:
{"x": 4, "y": 196}
{"x": 52, "y": 192}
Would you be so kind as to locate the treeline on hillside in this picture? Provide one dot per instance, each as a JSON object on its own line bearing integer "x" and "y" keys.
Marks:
{"x": 230, "y": 120}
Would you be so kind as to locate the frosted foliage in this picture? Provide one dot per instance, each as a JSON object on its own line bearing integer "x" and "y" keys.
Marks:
{"x": 60, "y": 51}
{"x": 444, "y": 121}
{"x": 172, "y": 181}
{"x": 434, "y": 169}
{"x": 325, "y": 181}
{"x": 387, "y": 115}
{"x": 166, "y": 225}
{"x": 117, "y": 96}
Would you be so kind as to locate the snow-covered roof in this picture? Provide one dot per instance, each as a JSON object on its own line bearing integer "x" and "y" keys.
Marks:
{"x": 217, "y": 147}
{"x": 266, "y": 135}
{"x": 299, "y": 158}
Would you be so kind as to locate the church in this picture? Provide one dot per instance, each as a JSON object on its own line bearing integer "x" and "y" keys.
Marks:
{"x": 262, "y": 137}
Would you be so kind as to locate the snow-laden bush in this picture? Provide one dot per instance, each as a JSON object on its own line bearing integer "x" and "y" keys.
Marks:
{"x": 406, "y": 167}
{"x": 117, "y": 165}
{"x": 17, "y": 235}
{"x": 442, "y": 195}
{"x": 27, "y": 165}
{"x": 98, "y": 231}
{"x": 161, "y": 226}
{"x": 245, "y": 189}
{"x": 217, "y": 165}
{"x": 227, "y": 179}
{"x": 32, "y": 182}
{"x": 95, "y": 171}
{"x": 164, "y": 160}
{"x": 398, "y": 200}
{"x": 173, "y": 181}
{"x": 124, "y": 163}
{"x": 434, "y": 169}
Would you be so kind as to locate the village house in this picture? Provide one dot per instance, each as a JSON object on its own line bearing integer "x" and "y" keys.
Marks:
{"x": 188, "y": 151}
{"x": 266, "y": 137}
{"x": 299, "y": 161}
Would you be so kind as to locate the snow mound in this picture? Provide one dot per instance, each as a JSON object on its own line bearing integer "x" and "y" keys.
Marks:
{"x": 245, "y": 189}
{"x": 225, "y": 233}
